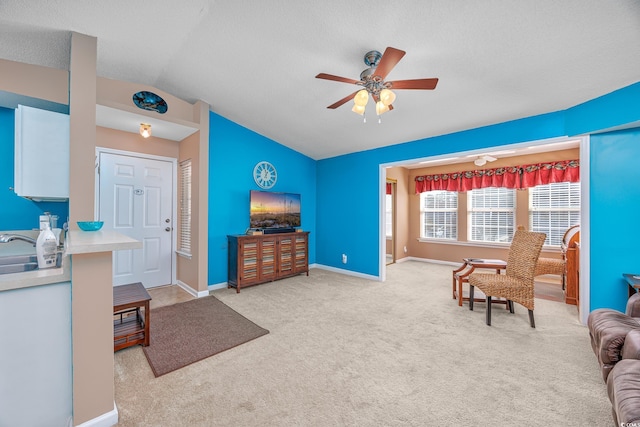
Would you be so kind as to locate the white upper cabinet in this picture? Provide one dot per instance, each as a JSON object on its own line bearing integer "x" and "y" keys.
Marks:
{"x": 41, "y": 154}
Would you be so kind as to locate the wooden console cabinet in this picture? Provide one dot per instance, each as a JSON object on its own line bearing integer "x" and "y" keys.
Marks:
{"x": 265, "y": 258}
{"x": 570, "y": 254}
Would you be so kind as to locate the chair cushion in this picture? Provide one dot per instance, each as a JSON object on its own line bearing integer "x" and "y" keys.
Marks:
{"x": 502, "y": 285}
{"x": 549, "y": 266}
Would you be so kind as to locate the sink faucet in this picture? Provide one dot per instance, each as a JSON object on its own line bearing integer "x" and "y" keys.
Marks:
{"x": 6, "y": 238}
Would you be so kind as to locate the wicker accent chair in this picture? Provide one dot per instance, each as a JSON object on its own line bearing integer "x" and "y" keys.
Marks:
{"x": 517, "y": 284}
{"x": 551, "y": 266}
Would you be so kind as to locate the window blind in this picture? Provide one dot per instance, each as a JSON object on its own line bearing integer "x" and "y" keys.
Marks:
{"x": 389, "y": 214}
{"x": 439, "y": 215}
{"x": 491, "y": 213}
{"x": 184, "y": 244}
{"x": 553, "y": 208}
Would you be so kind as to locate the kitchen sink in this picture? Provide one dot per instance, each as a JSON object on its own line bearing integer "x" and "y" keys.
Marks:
{"x": 21, "y": 263}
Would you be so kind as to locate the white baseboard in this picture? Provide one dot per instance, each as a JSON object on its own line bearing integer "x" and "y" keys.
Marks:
{"x": 105, "y": 420}
{"x": 433, "y": 261}
{"x": 347, "y": 272}
{"x": 192, "y": 291}
{"x": 217, "y": 286}
{"x": 223, "y": 285}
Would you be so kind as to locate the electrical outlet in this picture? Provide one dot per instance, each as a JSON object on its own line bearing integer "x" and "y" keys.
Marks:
{"x": 405, "y": 249}
{"x": 344, "y": 258}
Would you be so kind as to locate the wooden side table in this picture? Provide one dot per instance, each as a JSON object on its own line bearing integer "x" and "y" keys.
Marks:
{"x": 130, "y": 327}
{"x": 461, "y": 275}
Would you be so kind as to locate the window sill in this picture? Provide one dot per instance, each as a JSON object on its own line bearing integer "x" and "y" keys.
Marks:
{"x": 184, "y": 254}
{"x": 480, "y": 244}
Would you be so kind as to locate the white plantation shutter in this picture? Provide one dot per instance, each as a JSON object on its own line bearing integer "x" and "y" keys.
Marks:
{"x": 184, "y": 244}
{"x": 439, "y": 215}
{"x": 553, "y": 208}
{"x": 491, "y": 213}
{"x": 389, "y": 215}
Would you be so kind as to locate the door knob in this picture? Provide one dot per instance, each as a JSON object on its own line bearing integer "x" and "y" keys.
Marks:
{"x": 167, "y": 229}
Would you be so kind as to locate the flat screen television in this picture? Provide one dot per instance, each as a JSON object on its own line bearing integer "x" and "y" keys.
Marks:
{"x": 271, "y": 211}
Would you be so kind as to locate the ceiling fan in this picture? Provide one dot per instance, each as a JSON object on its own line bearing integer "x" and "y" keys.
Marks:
{"x": 482, "y": 160}
{"x": 374, "y": 85}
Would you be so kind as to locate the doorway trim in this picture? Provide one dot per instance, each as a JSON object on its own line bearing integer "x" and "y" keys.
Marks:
{"x": 174, "y": 193}
{"x": 394, "y": 204}
{"x": 585, "y": 164}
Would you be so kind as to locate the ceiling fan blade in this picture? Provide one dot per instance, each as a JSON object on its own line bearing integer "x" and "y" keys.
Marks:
{"x": 336, "y": 78}
{"x": 390, "y": 58}
{"x": 342, "y": 101}
{"x": 414, "y": 84}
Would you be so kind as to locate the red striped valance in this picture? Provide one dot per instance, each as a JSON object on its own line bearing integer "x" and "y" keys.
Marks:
{"x": 518, "y": 177}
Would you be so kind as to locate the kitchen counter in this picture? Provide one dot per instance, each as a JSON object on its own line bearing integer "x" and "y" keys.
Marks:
{"x": 84, "y": 242}
{"x": 78, "y": 242}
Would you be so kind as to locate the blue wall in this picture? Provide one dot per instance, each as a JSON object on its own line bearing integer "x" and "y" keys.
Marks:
{"x": 233, "y": 153}
{"x": 17, "y": 213}
{"x": 350, "y": 182}
{"x": 348, "y": 190}
{"x": 615, "y": 215}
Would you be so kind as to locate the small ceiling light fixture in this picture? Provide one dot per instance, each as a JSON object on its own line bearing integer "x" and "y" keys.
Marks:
{"x": 482, "y": 160}
{"x": 145, "y": 130}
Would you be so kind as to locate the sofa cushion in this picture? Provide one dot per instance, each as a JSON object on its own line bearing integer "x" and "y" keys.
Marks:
{"x": 608, "y": 329}
{"x": 633, "y": 305}
{"x": 623, "y": 387}
{"x": 631, "y": 346}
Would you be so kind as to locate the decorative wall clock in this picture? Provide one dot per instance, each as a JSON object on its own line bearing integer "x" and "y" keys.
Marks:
{"x": 265, "y": 175}
{"x": 150, "y": 101}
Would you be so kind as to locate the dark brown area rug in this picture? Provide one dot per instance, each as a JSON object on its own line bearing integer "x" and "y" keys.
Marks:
{"x": 187, "y": 332}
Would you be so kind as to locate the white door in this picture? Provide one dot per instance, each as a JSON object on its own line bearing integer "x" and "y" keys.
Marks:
{"x": 136, "y": 196}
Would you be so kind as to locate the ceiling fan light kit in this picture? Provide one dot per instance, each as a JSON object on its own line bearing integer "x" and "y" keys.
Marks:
{"x": 372, "y": 79}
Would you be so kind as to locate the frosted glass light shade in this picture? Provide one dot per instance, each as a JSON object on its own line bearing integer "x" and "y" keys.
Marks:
{"x": 381, "y": 108}
{"x": 361, "y": 98}
{"x": 387, "y": 96}
{"x": 358, "y": 109}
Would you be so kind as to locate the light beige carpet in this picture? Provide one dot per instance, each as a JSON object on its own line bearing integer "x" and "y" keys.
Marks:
{"x": 345, "y": 351}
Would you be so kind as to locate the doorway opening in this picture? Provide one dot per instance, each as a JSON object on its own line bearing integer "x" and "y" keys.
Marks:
{"x": 390, "y": 221}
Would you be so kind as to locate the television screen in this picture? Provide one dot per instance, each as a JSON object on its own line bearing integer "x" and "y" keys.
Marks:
{"x": 274, "y": 210}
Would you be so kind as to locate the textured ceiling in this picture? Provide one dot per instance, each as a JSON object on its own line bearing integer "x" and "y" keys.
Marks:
{"x": 254, "y": 61}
